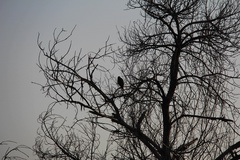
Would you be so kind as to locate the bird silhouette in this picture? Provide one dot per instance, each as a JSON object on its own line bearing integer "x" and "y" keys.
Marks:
{"x": 120, "y": 82}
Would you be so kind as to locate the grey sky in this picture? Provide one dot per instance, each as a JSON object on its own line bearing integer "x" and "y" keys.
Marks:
{"x": 21, "y": 102}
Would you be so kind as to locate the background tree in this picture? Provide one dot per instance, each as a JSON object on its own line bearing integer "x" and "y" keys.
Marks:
{"x": 179, "y": 69}
{"x": 59, "y": 139}
{"x": 13, "y": 151}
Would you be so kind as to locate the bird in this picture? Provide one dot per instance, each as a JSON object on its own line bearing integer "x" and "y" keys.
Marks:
{"x": 120, "y": 82}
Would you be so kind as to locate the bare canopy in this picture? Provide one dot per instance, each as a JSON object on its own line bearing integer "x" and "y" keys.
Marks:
{"x": 179, "y": 71}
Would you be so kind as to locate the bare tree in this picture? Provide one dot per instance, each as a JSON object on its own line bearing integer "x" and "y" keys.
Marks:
{"x": 57, "y": 139}
{"x": 13, "y": 151}
{"x": 179, "y": 71}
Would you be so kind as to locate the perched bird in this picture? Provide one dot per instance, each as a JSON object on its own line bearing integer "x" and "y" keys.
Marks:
{"x": 120, "y": 82}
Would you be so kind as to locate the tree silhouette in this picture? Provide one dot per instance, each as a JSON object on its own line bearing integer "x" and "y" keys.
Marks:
{"x": 14, "y": 151}
{"x": 120, "y": 82}
{"x": 179, "y": 64}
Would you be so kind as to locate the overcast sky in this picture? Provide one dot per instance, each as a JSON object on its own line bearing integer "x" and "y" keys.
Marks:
{"x": 21, "y": 102}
